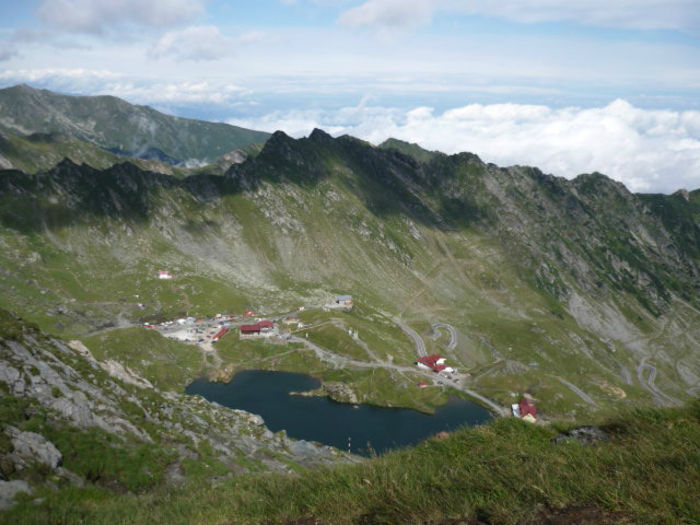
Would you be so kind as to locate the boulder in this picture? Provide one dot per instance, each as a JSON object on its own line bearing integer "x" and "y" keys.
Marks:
{"x": 9, "y": 489}
{"x": 33, "y": 447}
{"x": 586, "y": 435}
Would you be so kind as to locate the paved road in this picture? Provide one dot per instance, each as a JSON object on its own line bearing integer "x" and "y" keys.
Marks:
{"x": 342, "y": 362}
{"x": 626, "y": 375}
{"x": 649, "y": 383}
{"x": 453, "y": 334}
{"x": 417, "y": 339}
{"x": 576, "y": 390}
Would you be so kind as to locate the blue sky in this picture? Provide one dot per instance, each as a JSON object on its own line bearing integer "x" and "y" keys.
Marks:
{"x": 526, "y": 68}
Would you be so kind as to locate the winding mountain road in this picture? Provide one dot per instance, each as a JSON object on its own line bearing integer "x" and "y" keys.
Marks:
{"x": 452, "y": 331}
{"x": 649, "y": 383}
{"x": 343, "y": 362}
{"x": 576, "y": 390}
{"x": 417, "y": 339}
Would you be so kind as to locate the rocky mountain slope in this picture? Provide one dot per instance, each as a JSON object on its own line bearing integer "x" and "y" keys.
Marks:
{"x": 120, "y": 127}
{"x": 69, "y": 419}
{"x": 577, "y": 291}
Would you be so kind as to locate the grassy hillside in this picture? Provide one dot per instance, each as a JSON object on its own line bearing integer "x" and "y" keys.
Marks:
{"x": 112, "y": 123}
{"x": 576, "y": 291}
{"x": 42, "y": 151}
{"x": 505, "y": 472}
{"x": 78, "y": 424}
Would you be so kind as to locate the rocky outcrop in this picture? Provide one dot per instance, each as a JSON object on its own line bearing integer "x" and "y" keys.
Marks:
{"x": 76, "y": 393}
{"x": 29, "y": 447}
{"x": 9, "y": 489}
{"x": 586, "y": 435}
{"x": 340, "y": 392}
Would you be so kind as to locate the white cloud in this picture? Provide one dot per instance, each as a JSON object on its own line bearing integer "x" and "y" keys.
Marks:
{"x": 43, "y": 75}
{"x": 630, "y": 14}
{"x": 251, "y": 37}
{"x": 94, "y": 16}
{"x": 7, "y": 51}
{"x": 177, "y": 93}
{"x": 162, "y": 93}
{"x": 389, "y": 13}
{"x": 193, "y": 43}
{"x": 648, "y": 150}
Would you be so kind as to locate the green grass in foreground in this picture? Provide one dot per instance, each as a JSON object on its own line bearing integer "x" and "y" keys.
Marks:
{"x": 504, "y": 472}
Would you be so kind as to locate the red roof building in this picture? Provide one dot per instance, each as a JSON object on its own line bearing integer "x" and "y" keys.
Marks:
{"x": 527, "y": 407}
{"x": 262, "y": 328}
{"x": 219, "y": 334}
{"x": 434, "y": 362}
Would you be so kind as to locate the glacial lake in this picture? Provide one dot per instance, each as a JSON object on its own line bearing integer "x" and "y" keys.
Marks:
{"x": 320, "y": 419}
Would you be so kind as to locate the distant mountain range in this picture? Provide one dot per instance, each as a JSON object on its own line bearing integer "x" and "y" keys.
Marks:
{"x": 117, "y": 126}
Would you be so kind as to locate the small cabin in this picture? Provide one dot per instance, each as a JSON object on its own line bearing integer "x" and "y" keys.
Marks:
{"x": 525, "y": 409}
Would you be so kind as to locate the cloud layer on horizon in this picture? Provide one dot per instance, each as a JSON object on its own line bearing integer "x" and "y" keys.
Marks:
{"x": 626, "y": 14}
{"x": 95, "y": 16}
{"x": 647, "y": 150}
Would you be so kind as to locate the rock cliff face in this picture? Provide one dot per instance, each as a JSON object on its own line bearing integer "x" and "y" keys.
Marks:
{"x": 56, "y": 397}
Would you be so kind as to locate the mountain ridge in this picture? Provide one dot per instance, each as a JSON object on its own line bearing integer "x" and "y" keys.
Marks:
{"x": 585, "y": 256}
{"x": 112, "y": 123}
{"x": 580, "y": 294}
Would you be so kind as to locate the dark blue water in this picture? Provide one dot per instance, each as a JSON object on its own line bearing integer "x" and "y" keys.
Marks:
{"x": 321, "y": 419}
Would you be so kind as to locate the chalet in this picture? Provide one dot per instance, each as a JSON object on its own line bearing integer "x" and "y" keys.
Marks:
{"x": 436, "y": 363}
{"x": 342, "y": 302}
{"x": 250, "y": 330}
{"x": 263, "y": 328}
{"x": 525, "y": 409}
{"x": 164, "y": 274}
{"x": 291, "y": 319}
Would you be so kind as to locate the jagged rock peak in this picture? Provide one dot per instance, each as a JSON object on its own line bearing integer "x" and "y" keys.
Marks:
{"x": 683, "y": 193}
{"x": 67, "y": 163}
{"x": 320, "y": 135}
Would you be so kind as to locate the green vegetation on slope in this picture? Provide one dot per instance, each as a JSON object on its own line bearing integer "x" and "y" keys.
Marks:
{"x": 112, "y": 123}
{"x": 502, "y": 473}
{"x": 169, "y": 365}
{"x": 543, "y": 279}
{"x": 42, "y": 151}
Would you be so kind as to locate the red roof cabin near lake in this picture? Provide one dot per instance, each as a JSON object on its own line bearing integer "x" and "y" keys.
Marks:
{"x": 263, "y": 328}
{"x": 525, "y": 409}
{"x": 436, "y": 363}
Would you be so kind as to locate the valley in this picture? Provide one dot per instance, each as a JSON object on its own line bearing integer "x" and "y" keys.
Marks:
{"x": 126, "y": 281}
